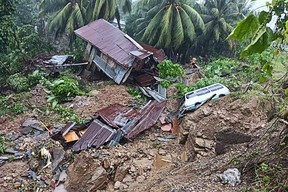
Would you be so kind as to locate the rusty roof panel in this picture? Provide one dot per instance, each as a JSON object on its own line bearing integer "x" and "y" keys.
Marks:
{"x": 96, "y": 135}
{"x": 109, "y": 114}
{"x": 149, "y": 114}
{"x": 141, "y": 54}
{"x": 158, "y": 54}
{"x": 145, "y": 80}
{"x": 109, "y": 40}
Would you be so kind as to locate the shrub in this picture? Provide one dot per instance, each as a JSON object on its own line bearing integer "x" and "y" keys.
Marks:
{"x": 18, "y": 82}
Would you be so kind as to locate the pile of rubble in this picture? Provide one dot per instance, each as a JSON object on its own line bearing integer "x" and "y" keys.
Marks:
{"x": 110, "y": 124}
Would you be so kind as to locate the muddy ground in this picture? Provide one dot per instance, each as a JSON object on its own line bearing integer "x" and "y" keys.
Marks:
{"x": 206, "y": 144}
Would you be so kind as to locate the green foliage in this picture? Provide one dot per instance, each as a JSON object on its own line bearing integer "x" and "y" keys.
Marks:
{"x": 169, "y": 72}
{"x": 78, "y": 50}
{"x": 30, "y": 42}
{"x": 221, "y": 67}
{"x": 27, "y": 12}
{"x": 67, "y": 114}
{"x": 135, "y": 93}
{"x": 18, "y": 82}
{"x": 10, "y": 107}
{"x": 170, "y": 24}
{"x": 29, "y": 45}
{"x": 253, "y": 28}
{"x": 61, "y": 90}
{"x": 67, "y": 15}
{"x": 7, "y": 37}
{"x": 36, "y": 77}
{"x": 2, "y": 145}
{"x": 220, "y": 16}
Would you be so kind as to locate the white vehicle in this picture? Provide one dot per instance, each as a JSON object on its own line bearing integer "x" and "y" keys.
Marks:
{"x": 194, "y": 99}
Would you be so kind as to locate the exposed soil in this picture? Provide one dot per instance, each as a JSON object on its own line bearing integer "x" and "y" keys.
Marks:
{"x": 207, "y": 142}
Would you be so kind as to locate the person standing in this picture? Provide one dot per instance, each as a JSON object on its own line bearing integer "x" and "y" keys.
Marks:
{"x": 194, "y": 63}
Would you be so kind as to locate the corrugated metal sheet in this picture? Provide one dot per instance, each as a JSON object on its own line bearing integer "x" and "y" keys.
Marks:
{"x": 145, "y": 80}
{"x": 96, "y": 135}
{"x": 159, "y": 55}
{"x": 141, "y": 54}
{"x": 115, "y": 111}
{"x": 149, "y": 114}
{"x": 109, "y": 40}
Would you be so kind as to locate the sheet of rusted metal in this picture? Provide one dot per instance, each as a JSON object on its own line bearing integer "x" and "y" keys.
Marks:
{"x": 96, "y": 135}
{"x": 148, "y": 116}
{"x": 109, "y": 114}
{"x": 109, "y": 40}
{"x": 141, "y": 54}
{"x": 145, "y": 80}
{"x": 159, "y": 55}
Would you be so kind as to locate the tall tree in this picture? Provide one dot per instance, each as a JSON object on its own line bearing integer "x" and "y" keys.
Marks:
{"x": 68, "y": 15}
{"x": 219, "y": 16}
{"x": 7, "y": 35}
{"x": 169, "y": 24}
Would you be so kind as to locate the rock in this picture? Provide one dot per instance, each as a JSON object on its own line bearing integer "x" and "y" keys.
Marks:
{"x": 128, "y": 179}
{"x": 17, "y": 184}
{"x": 62, "y": 177}
{"x": 58, "y": 156}
{"x": 204, "y": 143}
{"x": 143, "y": 163}
{"x": 3, "y": 158}
{"x": 140, "y": 179}
{"x": 14, "y": 175}
{"x": 32, "y": 175}
{"x": 162, "y": 161}
{"x": 120, "y": 186}
{"x": 133, "y": 169}
{"x": 121, "y": 171}
{"x": 12, "y": 136}
{"x": 32, "y": 123}
{"x": 60, "y": 188}
{"x": 11, "y": 151}
{"x": 89, "y": 171}
{"x": 117, "y": 185}
{"x": 106, "y": 163}
{"x": 162, "y": 152}
{"x": 231, "y": 177}
{"x": 207, "y": 111}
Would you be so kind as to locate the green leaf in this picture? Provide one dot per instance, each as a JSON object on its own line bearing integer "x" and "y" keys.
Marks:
{"x": 262, "y": 79}
{"x": 261, "y": 41}
{"x": 286, "y": 31}
{"x": 263, "y": 16}
{"x": 245, "y": 29}
{"x": 286, "y": 91}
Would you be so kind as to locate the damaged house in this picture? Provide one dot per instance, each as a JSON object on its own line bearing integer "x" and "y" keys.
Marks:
{"x": 116, "y": 54}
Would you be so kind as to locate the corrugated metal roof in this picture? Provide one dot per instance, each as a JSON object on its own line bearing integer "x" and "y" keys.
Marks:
{"x": 158, "y": 54}
{"x": 109, "y": 40}
{"x": 149, "y": 114}
{"x": 109, "y": 114}
{"x": 96, "y": 135}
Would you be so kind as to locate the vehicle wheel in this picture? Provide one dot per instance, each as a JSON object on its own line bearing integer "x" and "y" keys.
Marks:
{"x": 221, "y": 95}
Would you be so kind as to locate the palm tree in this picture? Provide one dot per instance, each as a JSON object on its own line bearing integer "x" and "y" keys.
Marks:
{"x": 168, "y": 24}
{"x": 109, "y": 9}
{"x": 219, "y": 16}
{"x": 68, "y": 15}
